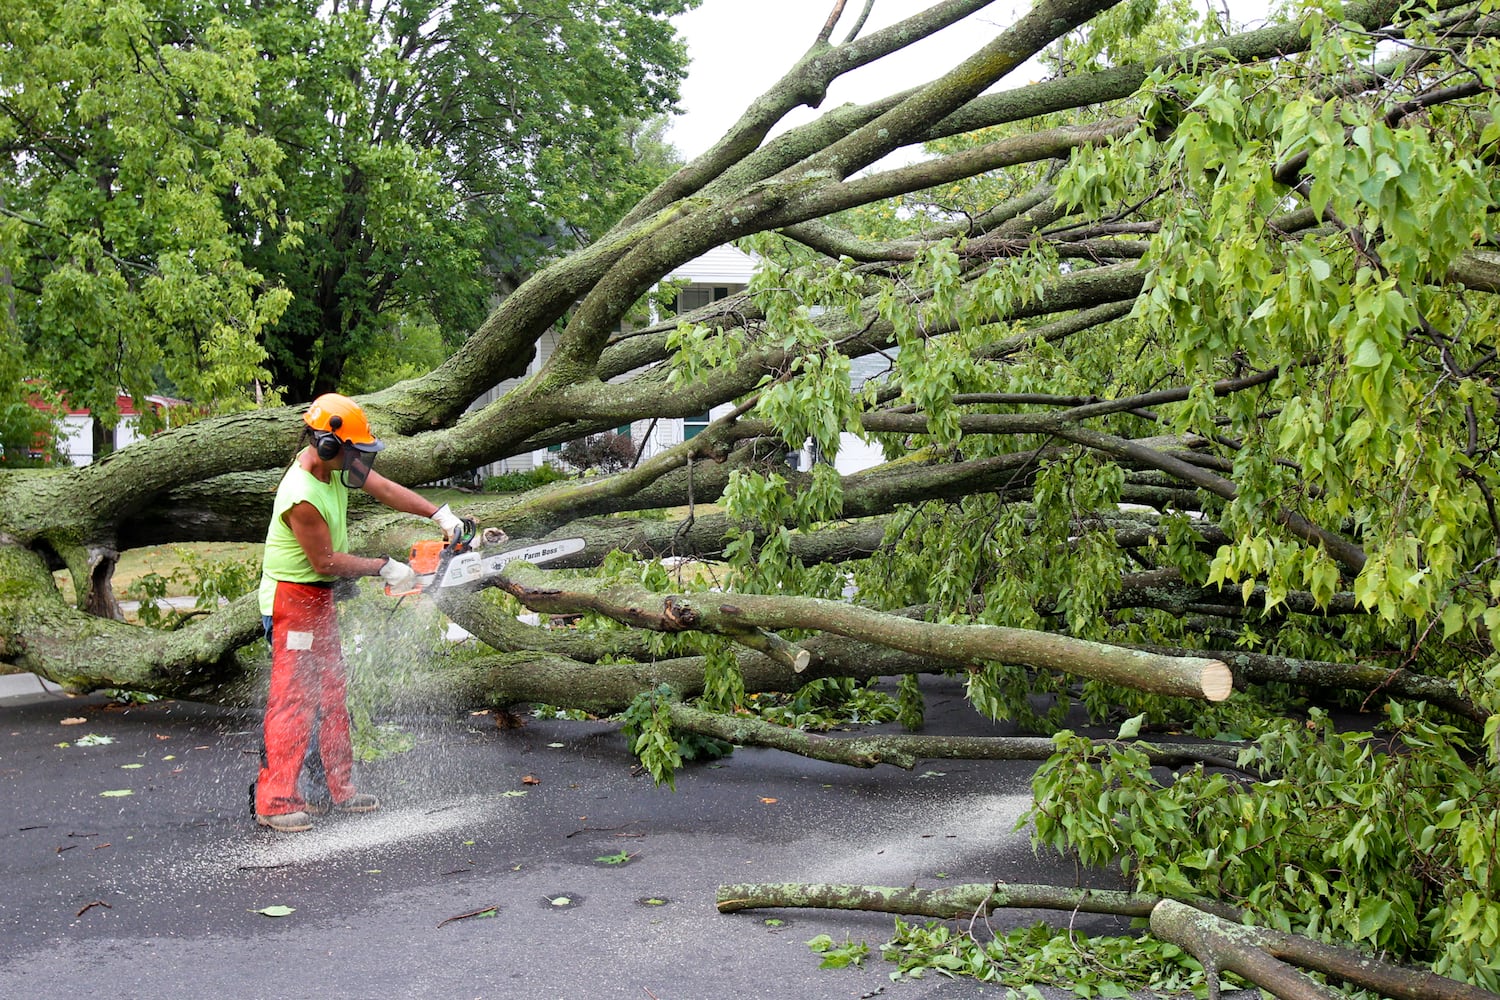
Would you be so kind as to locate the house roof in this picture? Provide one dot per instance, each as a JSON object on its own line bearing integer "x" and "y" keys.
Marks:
{"x": 123, "y": 403}
{"x": 721, "y": 265}
{"x": 126, "y": 406}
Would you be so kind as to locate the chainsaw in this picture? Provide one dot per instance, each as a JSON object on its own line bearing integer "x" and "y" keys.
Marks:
{"x": 464, "y": 559}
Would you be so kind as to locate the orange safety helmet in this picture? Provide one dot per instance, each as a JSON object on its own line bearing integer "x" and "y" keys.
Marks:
{"x": 342, "y": 417}
{"x": 339, "y": 426}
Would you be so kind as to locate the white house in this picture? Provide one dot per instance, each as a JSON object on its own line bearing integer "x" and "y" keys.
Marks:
{"x": 721, "y": 272}
{"x": 717, "y": 274}
{"x": 75, "y": 438}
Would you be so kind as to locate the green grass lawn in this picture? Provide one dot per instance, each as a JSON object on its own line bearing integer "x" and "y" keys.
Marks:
{"x": 166, "y": 561}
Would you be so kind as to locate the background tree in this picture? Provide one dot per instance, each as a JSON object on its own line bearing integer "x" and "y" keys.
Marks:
{"x": 1189, "y": 351}
{"x": 607, "y": 452}
{"x": 437, "y": 150}
{"x": 210, "y": 199}
{"x": 121, "y": 146}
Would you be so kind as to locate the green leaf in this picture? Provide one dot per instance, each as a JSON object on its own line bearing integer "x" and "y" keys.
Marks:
{"x": 615, "y": 859}
{"x": 1131, "y": 728}
{"x": 1373, "y": 914}
{"x": 1366, "y": 355}
{"x": 1453, "y": 620}
{"x": 276, "y": 911}
{"x": 116, "y": 793}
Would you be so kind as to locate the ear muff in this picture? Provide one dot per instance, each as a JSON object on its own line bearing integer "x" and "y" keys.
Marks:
{"x": 328, "y": 446}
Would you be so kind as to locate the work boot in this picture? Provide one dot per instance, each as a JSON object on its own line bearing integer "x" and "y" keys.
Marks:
{"x": 358, "y": 803}
{"x": 293, "y": 822}
{"x": 317, "y": 807}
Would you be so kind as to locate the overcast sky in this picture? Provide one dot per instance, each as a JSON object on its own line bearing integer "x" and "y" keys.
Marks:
{"x": 738, "y": 49}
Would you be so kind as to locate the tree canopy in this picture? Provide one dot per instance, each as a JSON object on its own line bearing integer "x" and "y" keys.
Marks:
{"x": 215, "y": 198}
{"x": 1188, "y": 361}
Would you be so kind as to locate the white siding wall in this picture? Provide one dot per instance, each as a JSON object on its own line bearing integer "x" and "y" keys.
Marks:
{"x": 723, "y": 267}
{"x": 77, "y": 439}
{"x": 720, "y": 266}
{"x": 127, "y": 430}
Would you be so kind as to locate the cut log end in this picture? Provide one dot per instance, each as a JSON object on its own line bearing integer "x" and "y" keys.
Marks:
{"x": 1216, "y": 680}
{"x": 801, "y": 660}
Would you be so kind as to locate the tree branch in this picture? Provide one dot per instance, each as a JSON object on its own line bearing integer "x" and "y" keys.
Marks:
{"x": 905, "y": 751}
{"x": 1191, "y": 677}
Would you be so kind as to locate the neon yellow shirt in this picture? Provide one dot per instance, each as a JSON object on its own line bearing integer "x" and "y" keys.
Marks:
{"x": 284, "y": 558}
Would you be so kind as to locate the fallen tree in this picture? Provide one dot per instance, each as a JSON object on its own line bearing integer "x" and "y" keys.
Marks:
{"x": 1183, "y": 364}
{"x": 1207, "y": 930}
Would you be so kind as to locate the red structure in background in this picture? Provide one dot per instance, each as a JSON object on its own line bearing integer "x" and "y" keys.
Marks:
{"x": 79, "y": 439}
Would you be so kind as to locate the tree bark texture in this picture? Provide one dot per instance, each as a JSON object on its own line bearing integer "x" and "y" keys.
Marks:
{"x": 1267, "y": 958}
{"x": 1183, "y": 676}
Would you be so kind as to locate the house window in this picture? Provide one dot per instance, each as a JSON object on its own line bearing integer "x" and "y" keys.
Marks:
{"x": 693, "y": 426}
{"x": 698, "y": 296}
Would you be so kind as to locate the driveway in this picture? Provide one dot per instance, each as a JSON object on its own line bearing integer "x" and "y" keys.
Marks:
{"x": 156, "y": 893}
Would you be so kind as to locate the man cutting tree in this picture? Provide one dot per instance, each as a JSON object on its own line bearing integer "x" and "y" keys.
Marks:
{"x": 306, "y": 553}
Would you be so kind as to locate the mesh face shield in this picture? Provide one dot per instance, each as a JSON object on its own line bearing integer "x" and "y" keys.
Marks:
{"x": 357, "y": 465}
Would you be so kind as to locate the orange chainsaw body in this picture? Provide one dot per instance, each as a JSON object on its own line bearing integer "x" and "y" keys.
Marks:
{"x": 424, "y": 558}
{"x": 425, "y": 555}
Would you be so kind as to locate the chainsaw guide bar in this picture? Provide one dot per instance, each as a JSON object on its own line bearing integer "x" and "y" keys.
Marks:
{"x": 438, "y": 564}
{"x": 470, "y": 567}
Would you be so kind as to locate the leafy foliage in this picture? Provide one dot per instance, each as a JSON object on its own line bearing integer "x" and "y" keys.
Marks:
{"x": 29, "y": 434}
{"x": 209, "y": 580}
{"x": 825, "y": 704}
{"x": 1028, "y": 958}
{"x": 123, "y": 143}
{"x": 518, "y": 482}
{"x": 838, "y": 956}
{"x": 452, "y": 146}
{"x": 607, "y": 452}
{"x": 1390, "y": 845}
{"x": 1297, "y": 228}
{"x": 168, "y": 226}
{"x": 662, "y": 749}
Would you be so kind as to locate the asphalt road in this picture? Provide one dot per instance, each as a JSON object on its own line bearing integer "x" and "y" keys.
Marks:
{"x": 155, "y": 893}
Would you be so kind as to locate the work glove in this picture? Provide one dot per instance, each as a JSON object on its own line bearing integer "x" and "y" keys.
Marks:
{"x": 399, "y": 578}
{"x": 457, "y": 529}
